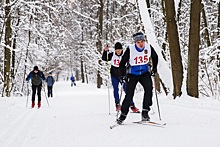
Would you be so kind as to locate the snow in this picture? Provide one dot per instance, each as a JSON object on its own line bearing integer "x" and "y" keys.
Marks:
{"x": 151, "y": 37}
{"x": 79, "y": 117}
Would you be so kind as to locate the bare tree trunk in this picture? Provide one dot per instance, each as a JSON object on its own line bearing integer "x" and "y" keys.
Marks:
{"x": 87, "y": 81}
{"x": 26, "y": 56}
{"x": 99, "y": 47}
{"x": 193, "y": 53}
{"x": 179, "y": 10}
{"x": 82, "y": 71}
{"x": 14, "y": 47}
{"x": 7, "y": 59}
{"x": 148, "y": 6}
{"x": 175, "y": 54}
{"x": 218, "y": 56}
{"x": 207, "y": 38}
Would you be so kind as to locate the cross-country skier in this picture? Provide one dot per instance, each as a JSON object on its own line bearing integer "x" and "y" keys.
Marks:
{"x": 115, "y": 58}
{"x": 37, "y": 78}
{"x": 50, "y": 81}
{"x": 72, "y": 78}
{"x": 138, "y": 55}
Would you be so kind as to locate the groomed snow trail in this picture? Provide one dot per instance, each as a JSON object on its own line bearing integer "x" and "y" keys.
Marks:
{"x": 78, "y": 117}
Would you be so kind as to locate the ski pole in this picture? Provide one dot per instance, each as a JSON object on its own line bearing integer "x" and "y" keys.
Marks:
{"x": 108, "y": 84}
{"x": 46, "y": 96}
{"x": 122, "y": 86}
{"x": 108, "y": 97}
{"x": 27, "y": 94}
{"x": 157, "y": 98}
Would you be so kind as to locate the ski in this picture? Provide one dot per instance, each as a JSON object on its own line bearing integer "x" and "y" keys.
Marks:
{"x": 115, "y": 125}
{"x": 135, "y": 112}
{"x": 151, "y": 123}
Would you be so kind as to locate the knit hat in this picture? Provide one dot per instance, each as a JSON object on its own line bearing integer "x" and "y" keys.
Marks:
{"x": 118, "y": 45}
{"x": 50, "y": 72}
{"x": 138, "y": 36}
{"x": 36, "y": 68}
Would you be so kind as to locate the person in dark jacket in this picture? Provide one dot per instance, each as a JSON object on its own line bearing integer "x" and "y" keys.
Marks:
{"x": 115, "y": 58}
{"x": 137, "y": 56}
{"x": 50, "y": 81}
{"x": 37, "y": 77}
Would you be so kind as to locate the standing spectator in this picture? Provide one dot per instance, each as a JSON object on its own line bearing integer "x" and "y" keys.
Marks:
{"x": 37, "y": 78}
{"x": 50, "y": 81}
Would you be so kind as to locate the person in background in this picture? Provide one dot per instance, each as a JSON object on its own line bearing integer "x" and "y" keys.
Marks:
{"x": 37, "y": 78}
{"x": 50, "y": 81}
{"x": 115, "y": 58}
{"x": 137, "y": 56}
{"x": 72, "y": 78}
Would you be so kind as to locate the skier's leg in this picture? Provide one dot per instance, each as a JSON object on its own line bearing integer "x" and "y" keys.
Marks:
{"x": 130, "y": 87}
{"x": 146, "y": 82}
{"x": 115, "y": 83}
{"x": 33, "y": 92}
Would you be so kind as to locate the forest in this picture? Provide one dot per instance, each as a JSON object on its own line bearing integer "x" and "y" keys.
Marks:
{"x": 68, "y": 37}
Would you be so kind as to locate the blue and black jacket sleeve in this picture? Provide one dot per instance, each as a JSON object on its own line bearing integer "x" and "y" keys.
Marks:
{"x": 29, "y": 76}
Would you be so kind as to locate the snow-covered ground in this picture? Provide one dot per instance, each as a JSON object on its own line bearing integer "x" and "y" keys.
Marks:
{"x": 79, "y": 117}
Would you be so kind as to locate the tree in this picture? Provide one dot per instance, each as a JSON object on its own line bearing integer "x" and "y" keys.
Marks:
{"x": 99, "y": 43}
{"x": 7, "y": 59}
{"x": 193, "y": 52}
{"x": 175, "y": 54}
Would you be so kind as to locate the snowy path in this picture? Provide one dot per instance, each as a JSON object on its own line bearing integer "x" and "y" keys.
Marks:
{"x": 78, "y": 117}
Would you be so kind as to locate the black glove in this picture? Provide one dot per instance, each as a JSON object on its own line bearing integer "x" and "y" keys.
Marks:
{"x": 153, "y": 72}
{"x": 123, "y": 79}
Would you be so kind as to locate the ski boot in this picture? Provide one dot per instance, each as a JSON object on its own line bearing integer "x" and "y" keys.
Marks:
{"x": 33, "y": 104}
{"x": 134, "y": 109}
{"x": 145, "y": 116}
{"x": 121, "y": 119}
{"x": 118, "y": 107}
{"x": 39, "y": 104}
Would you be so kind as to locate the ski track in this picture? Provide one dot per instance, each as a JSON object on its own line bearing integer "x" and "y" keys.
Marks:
{"x": 79, "y": 117}
{"x": 17, "y": 130}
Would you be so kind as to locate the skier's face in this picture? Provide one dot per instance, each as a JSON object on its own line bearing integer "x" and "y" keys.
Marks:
{"x": 118, "y": 51}
{"x": 35, "y": 71}
{"x": 140, "y": 44}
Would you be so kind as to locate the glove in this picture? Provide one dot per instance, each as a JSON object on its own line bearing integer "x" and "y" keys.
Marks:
{"x": 123, "y": 79}
{"x": 153, "y": 72}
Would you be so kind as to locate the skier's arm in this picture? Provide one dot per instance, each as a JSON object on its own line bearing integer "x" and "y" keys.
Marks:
{"x": 53, "y": 80}
{"x": 107, "y": 56}
{"x": 154, "y": 57}
{"x": 29, "y": 76}
{"x": 42, "y": 76}
{"x": 124, "y": 60}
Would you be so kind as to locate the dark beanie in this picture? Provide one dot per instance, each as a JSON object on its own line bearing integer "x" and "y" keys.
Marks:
{"x": 118, "y": 45}
{"x": 35, "y": 68}
{"x": 138, "y": 36}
